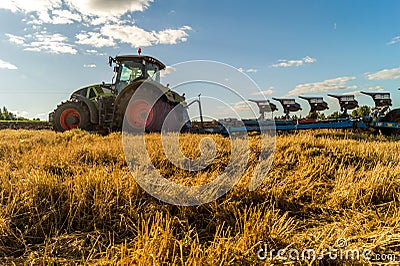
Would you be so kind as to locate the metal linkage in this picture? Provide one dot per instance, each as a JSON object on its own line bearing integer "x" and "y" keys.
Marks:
{"x": 316, "y": 104}
{"x": 288, "y": 105}
{"x": 264, "y": 106}
{"x": 346, "y": 102}
{"x": 381, "y": 99}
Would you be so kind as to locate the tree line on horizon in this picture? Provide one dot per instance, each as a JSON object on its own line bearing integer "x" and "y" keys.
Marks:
{"x": 7, "y": 115}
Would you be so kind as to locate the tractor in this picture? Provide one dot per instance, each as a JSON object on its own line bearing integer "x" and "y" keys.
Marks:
{"x": 105, "y": 107}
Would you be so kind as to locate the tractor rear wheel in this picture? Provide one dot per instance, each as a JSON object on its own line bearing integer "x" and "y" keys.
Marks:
{"x": 70, "y": 115}
{"x": 392, "y": 116}
{"x": 141, "y": 115}
{"x": 147, "y": 110}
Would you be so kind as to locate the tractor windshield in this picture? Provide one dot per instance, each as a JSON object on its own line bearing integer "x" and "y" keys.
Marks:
{"x": 128, "y": 72}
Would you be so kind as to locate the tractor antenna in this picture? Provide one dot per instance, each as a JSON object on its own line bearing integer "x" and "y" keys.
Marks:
{"x": 139, "y": 50}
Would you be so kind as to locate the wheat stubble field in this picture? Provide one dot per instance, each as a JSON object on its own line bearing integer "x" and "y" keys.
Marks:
{"x": 70, "y": 199}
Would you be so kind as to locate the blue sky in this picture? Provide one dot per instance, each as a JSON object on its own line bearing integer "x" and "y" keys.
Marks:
{"x": 49, "y": 48}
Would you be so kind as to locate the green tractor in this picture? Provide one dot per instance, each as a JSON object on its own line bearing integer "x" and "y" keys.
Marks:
{"x": 104, "y": 107}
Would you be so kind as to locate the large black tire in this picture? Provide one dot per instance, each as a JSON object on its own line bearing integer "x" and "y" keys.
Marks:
{"x": 141, "y": 115}
{"x": 70, "y": 115}
{"x": 392, "y": 116}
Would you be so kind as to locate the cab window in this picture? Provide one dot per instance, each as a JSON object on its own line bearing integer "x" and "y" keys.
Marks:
{"x": 152, "y": 72}
{"x": 130, "y": 71}
{"x": 92, "y": 93}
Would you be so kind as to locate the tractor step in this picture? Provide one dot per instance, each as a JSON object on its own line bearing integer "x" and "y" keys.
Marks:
{"x": 106, "y": 111}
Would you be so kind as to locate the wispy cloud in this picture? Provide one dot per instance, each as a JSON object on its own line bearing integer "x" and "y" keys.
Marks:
{"x": 44, "y": 42}
{"x": 7, "y": 65}
{"x": 94, "y": 39}
{"x": 20, "y": 113}
{"x": 93, "y": 52}
{"x": 376, "y": 88}
{"x": 249, "y": 70}
{"x": 266, "y": 92}
{"x": 339, "y": 83}
{"x": 242, "y": 106}
{"x": 15, "y": 39}
{"x": 27, "y": 6}
{"x": 65, "y": 17}
{"x": 296, "y": 63}
{"x": 356, "y": 93}
{"x": 393, "y": 73}
{"x": 394, "y": 40}
{"x": 90, "y": 66}
{"x": 136, "y": 36}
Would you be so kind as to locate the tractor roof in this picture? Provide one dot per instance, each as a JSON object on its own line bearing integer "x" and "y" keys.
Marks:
{"x": 139, "y": 58}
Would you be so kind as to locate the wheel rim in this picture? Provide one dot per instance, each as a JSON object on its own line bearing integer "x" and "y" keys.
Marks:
{"x": 70, "y": 119}
{"x": 139, "y": 114}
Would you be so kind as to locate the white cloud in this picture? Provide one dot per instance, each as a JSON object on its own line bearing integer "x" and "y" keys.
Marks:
{"x": 51, "y": 43}
{"x": 130, "y": 34}
{"x": 7, "y": 65}
{"x": 65, "y": 17}
{"x": 44, "y": 42}
{"x": 356, "y": 93}
{"x": 394, "y": 40}
{"x": 242, "y": 106}
{"x": 136, "y": 36}
{"x": 172, "y": 36}
{"x": 27, "y": 6}
{"x": 106, "y": 14}
{"x": 167, "y": 71}
{"x": 323, "y": 86}
{"x": 94, "y": 39}
{"x": 308, "y": 59}
{"x": 250, "y": 70}
{"x": 15, "y": 39}
{"x": 90, "y": 66}
{"x": 297, "y": 63}
{"x": 86, "y": 7}
{"x": 266, "y": 92}
{"x": 376, "y": 88}
{"x": 106, "y": 7}
{"x": 20, "y": 113}
{"x": 393, "y": 73}
{"x": 94, "y": 52}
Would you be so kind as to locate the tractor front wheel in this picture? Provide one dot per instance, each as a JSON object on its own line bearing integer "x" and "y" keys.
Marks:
{"x": 70, "y": 115}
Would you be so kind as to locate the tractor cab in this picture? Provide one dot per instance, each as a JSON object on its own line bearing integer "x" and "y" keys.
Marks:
{"x": 131, "y": 68}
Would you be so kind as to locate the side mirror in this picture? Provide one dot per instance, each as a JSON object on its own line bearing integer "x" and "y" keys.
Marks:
{"x": 110, "y": 60}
